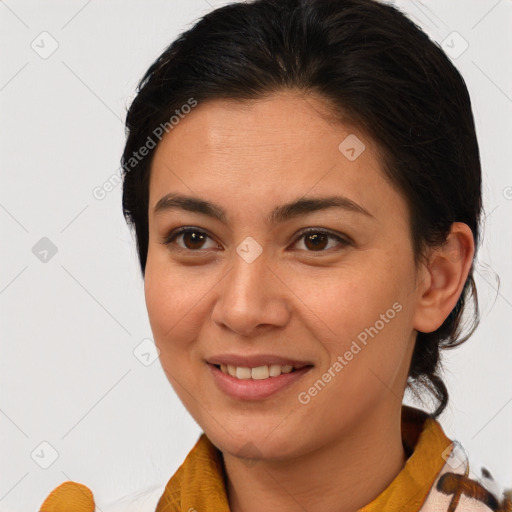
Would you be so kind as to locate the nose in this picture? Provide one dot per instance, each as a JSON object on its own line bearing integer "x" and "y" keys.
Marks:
{"x": 251, "y": 297}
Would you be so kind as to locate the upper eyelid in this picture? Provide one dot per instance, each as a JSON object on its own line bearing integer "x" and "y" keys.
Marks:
{"x": 184, "y": 229}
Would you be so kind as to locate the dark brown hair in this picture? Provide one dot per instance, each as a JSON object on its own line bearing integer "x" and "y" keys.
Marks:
{"x": 376, "y": 70}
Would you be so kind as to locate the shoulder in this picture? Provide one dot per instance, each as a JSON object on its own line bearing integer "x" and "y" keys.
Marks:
{"x": 144, "y": 500}
{"x": 465, "y": 486}
{"x": 79, "y": 498}
{"x": 201, "y": 470}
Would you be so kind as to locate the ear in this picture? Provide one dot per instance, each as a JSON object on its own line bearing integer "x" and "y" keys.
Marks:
{"x": 442, "y": 278}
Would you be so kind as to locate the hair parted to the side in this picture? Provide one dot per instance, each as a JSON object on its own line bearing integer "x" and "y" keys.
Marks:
{"x": 376, "y": 70}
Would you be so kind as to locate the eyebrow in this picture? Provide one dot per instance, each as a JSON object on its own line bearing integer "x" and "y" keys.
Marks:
{"x": 282, "y": 213}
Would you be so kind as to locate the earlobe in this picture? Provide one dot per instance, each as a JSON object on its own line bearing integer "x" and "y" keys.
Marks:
{"x": 446, "y": 271}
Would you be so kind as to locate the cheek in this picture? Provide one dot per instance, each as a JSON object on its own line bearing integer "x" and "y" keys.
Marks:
{"x": 367, "y": 318}
{"x": 171, "y": 302}
{"x": 354, "y": 300}
{"x": 173, "y": 305}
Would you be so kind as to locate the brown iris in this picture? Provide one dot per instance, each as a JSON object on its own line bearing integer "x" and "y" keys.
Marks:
{"x": 318, "y": 240}
{"x": 196, "y": 239}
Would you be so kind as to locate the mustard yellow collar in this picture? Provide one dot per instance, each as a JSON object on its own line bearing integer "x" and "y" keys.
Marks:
{"x": 200, "y": 482}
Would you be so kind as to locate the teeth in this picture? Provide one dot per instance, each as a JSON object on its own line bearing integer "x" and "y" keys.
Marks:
{"x": 274, "y": 370}
{"x": 260, "y": 372}
{"x": 257, "y": 373}
{"x": 243, "y": 373}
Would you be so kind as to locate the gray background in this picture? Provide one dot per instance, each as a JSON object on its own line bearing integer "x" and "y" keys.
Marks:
{"x": 75, "y": 370}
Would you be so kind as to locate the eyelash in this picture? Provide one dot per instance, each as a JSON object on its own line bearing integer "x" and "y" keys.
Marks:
{"x": 169, "y": 239}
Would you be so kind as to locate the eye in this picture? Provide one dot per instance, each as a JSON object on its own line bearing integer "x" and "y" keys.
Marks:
{"x": 316, "y": 239}
{"x": 192, "y": 238}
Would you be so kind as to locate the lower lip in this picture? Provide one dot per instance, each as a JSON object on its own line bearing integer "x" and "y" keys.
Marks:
{"x": 253, "y": 389}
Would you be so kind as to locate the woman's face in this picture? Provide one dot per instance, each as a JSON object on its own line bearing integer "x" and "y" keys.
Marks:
{"x": 245, "y": 287}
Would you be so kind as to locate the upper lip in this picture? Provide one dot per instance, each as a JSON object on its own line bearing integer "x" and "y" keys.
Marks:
{"x": 255, "y": 360}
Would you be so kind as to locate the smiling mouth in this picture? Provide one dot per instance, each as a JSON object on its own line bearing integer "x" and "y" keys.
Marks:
{"x": 257, "y": 373}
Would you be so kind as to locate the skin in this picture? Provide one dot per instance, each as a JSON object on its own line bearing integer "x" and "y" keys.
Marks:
{"x": 292, "y": 300}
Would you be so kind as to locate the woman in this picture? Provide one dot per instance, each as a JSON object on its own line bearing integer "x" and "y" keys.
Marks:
{"x": 304, "y": 182}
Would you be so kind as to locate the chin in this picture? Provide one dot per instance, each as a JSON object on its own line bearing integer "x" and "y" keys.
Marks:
{"x": 252, "y": 442}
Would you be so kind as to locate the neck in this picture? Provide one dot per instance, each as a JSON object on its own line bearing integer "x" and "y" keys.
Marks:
{"x": 343, "y": 476}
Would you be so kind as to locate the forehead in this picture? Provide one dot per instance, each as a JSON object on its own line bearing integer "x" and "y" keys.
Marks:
{"x": 266, "y": 152}
{"x": 277, "y": 127}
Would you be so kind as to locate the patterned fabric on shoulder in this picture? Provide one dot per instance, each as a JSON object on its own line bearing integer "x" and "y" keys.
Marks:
{"x": 458, "y": 488}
